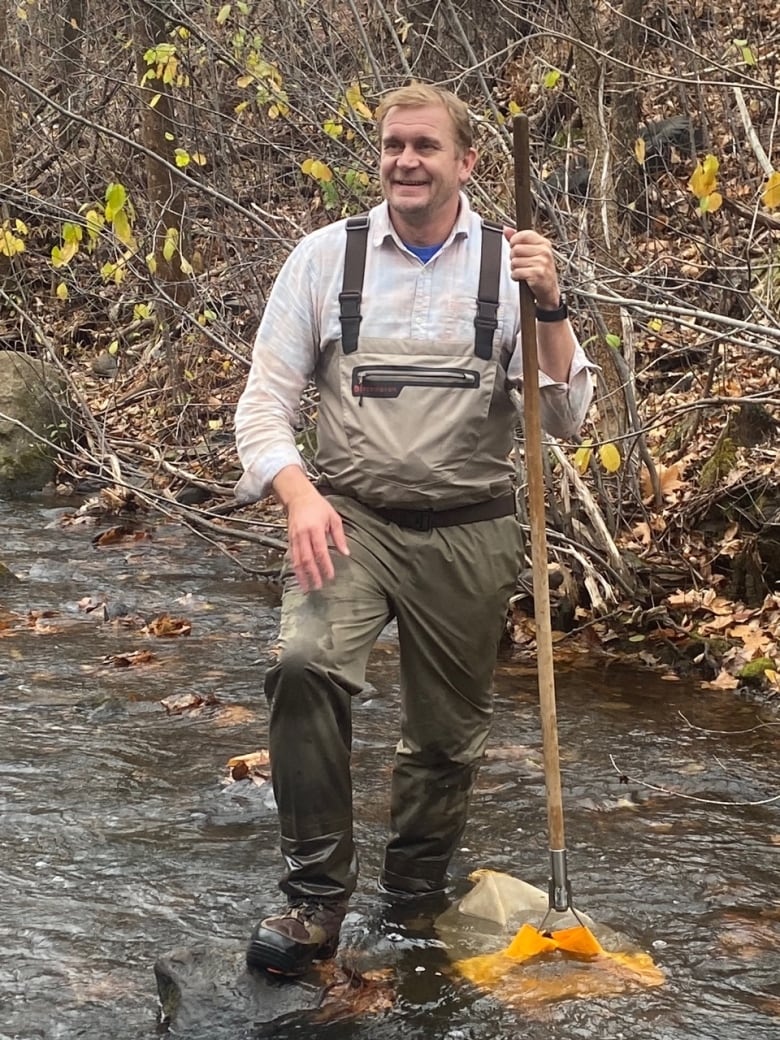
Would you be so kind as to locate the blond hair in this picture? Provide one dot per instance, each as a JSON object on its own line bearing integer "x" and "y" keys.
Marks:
{"x": 415, "y": 95}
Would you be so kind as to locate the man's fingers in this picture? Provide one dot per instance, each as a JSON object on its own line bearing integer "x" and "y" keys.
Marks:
{"x": 337, "y": 534}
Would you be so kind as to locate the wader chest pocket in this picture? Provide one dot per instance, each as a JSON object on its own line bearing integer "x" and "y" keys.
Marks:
{"x": 389, "y": 380}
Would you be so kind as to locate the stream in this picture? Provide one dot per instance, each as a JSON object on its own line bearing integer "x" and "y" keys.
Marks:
{"x": 121, "y": 839}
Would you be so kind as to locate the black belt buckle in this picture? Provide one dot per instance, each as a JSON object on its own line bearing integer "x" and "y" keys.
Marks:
{"x": 421, "y": 520}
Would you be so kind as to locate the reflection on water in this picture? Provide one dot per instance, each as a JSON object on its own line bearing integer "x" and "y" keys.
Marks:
{"x": 118, "y": 842}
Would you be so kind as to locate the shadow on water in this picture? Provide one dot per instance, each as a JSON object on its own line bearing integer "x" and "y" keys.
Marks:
{"x": 120, "y": 842}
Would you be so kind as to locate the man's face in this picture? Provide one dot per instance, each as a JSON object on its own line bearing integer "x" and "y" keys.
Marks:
{"x": 421, "y": 166}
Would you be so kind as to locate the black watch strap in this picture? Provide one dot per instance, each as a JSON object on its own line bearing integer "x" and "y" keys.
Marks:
{"x": 561, "y": 313}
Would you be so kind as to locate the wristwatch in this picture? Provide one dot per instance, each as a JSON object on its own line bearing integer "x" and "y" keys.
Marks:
{"x": 561, "y": 312}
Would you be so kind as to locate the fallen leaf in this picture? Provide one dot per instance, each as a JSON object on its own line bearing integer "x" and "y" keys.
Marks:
{"x": 166, "y": 627}
{"x": 178, "y": 703}
{"x": 115, "y": 535}
{"x": 131, "y": 659}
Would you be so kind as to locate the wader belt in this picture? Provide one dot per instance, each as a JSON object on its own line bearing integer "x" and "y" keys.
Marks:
{"x": 351, "y": 295}
{"x": 427, "y": 519}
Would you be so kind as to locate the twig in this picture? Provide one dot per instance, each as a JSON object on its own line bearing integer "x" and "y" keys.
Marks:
{"x": 752, "y": 136}
{"x": 725, "y": 732}
{"x": 688, "y": 797}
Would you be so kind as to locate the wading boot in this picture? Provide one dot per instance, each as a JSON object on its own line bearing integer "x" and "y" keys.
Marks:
{"x": 290, "y": 941}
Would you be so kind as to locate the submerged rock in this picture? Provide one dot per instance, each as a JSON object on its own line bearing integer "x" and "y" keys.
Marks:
{"x": 203, "y": 988}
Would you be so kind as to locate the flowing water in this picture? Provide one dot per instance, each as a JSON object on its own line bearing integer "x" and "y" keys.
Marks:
{"x": 119, "y": 839}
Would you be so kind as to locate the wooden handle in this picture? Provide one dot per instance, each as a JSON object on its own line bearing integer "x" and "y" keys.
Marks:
{"x": 535, "y": 472}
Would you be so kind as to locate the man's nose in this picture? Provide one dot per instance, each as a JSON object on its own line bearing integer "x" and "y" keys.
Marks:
{"x": 408, "y": 156}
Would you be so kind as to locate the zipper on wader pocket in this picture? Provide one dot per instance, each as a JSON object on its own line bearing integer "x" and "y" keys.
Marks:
{"x": 389, "y": 380}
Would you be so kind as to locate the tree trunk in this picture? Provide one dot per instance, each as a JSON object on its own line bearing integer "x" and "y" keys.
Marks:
{"x": 70, "y": 63}
{"x": 592, "y": 90}
{"x": 6, "y": 119}
{"x": 6, "y": 134}
{"x": 165, "y": 193}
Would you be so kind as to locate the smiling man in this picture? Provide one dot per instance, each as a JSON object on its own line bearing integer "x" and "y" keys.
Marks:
{"x": 407, "y": 319}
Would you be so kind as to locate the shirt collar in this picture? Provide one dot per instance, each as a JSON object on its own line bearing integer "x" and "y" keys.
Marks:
{"x": 382, "y": 228}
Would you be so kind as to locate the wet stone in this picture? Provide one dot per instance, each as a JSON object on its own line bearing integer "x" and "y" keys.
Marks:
{"x": 201, "y": 988}
{"x": 241, "y": 802}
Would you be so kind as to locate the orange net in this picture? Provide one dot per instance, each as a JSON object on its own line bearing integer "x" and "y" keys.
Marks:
{"x": 527, "y": 965}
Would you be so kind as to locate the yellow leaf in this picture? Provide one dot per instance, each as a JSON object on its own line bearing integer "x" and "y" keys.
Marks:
{"x": 170, "y": 243}
{"x": 610, "y": 459}
{"x": 122, "y": 230}
{"x": 21, "y": 227}
{"x": 240, "y": 107}
{"x": 215, "y": 424}
{"x": 185, "y": 266}
{"x": 640, "y": 150}
{"x": 116, "y": 197}
{"x": 199, "y": 158}
{"x": 307, "y": 165}
{"x": 68, "y": 251}
{"x": 362, "y": 109}
{"x": 155, "y": 101}
{"x": 21, "y": 13}
{"x": 332, "y": 129}
{"x": 113, "y": 347}
{"x": 551, "y": 79}
{"x": 223, "y": 14}
{"x": 321, "y": 171}
{"x": 514, "y": 108}
{"x": 181, "y": 157}
{"x": 714, "y": 201}
{"x": 771, "y": 194}
{"x": 582, "y": 455}
{"x": 95, "y": 222}
{"x": 655, "y": 324}
{"x": 703, "y": 178}
{"x": 62, "y": 291}
{"x": 151, "y": 263}
{"x": 245, "y": 81}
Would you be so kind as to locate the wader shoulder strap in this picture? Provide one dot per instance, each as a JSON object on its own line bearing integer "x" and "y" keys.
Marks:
{"x": 352, "y": 284}
{"x": 486, "y": 321}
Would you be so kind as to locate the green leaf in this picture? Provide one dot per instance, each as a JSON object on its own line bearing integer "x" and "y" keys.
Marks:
{"x": 613, "y": 341}
{"x": 551, "y": 79}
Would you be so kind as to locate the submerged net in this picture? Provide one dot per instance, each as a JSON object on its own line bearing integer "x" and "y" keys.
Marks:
{"x": 494, "y": 940}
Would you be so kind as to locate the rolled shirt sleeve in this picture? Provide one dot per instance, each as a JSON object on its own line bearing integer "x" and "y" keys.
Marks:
{"x": 285, "y": 350}
{"x": 562, "y": 406}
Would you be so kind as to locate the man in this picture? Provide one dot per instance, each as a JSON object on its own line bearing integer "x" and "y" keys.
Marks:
{"x": 413, "y": 518}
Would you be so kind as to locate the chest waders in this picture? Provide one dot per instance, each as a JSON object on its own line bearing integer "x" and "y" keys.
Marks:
{"x": 447, "y": 589}
{"x": 418, "y": 424}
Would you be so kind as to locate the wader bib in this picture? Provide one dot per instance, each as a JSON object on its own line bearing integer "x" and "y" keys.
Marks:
{"x": 415, "y": 423}
{"x": 413, "y": 443}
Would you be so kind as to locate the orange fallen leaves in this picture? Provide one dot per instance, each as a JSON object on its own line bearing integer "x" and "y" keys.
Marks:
{"x": 116, "y": 535}
{"x": 166, "y": 627}
{"x": 179, "y": 703}
{"x": 131, "y": 659}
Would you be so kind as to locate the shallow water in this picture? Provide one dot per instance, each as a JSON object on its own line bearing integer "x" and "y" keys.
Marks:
{"x": 119, "y": 840}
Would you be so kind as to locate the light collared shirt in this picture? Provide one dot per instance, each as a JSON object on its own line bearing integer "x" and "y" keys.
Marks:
{"x": 402, "y": 298}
